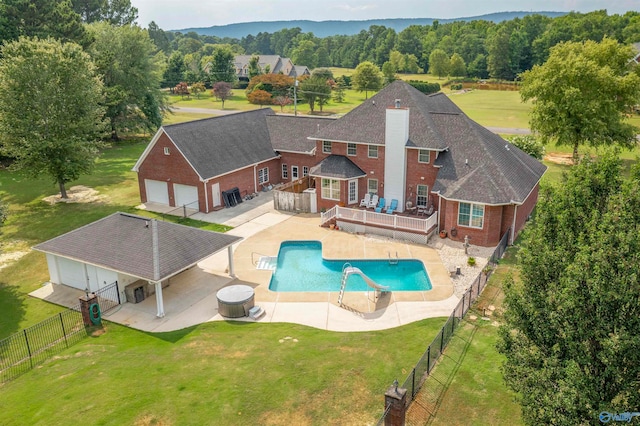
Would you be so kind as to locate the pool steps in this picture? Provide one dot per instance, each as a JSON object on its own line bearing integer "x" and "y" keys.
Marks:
{"x": 267, "y": 263}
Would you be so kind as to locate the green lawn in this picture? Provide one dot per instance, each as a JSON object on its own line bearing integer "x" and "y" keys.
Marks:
{"x": 476, "y": 393}
{"x": 223, "y": 373}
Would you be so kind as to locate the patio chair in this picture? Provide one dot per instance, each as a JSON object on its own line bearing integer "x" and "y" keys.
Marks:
{"x": 393, "y": 207}
{"x": 381, "y": 205}
{"x": 409, "y": 207}
{"x": 374, "y": 202}
{"x": 421, "y": 210}
{"x": 366, "y": 200}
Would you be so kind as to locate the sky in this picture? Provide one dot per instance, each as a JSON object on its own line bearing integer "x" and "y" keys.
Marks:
{"x": 178, "y": 14}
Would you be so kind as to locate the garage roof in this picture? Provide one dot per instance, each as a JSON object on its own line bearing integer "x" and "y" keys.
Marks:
{"x": 138, "y": 246}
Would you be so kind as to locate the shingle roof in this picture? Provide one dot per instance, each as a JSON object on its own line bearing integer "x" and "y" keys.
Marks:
{"x": 289, "y": 133}
{"x": 337, "y": 167}
{"x": 218, "y": 145}
{"x": 124, "y": 243}
{"x": 366, "y": 123}
{"x": 475, "y": 167}
{"x": 482, "y": 167}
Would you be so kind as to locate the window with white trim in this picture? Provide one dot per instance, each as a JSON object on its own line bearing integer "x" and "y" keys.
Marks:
{"x": 422, "y": 195}
{"x": 423, "y": 156}
{"x": 167, "y": 151}
{"x": 294, "y": 172}
{"x": 353, "y": 191}
{"x": 351, "y": 149}
{"x": 471, "y": 215}
{"x": 285, "y": 172}
{"x": 263, "y": 175}
{"x": 326, "y": 147}
{"x": 330, "y": 189}
{"x": 373, "y": 151}
{"x": 372, "y": 185}
{"x": 305, "y": 170}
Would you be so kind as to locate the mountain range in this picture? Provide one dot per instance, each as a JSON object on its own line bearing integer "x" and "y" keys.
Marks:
{"x": 329, "y": 28}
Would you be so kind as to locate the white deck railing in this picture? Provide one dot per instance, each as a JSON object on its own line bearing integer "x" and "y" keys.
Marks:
{"x": 394, "y": 221}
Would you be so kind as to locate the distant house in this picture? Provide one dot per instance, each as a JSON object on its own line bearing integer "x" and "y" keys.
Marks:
{"x": 273, "y": 64}
{"x": 399, "y": 145}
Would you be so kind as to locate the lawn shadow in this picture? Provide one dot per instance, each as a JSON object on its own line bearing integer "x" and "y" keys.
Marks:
{"x": 12, "y": 308}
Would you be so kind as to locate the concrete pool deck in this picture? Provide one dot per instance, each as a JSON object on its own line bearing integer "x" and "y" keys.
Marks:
{"x": 190, "y": 298}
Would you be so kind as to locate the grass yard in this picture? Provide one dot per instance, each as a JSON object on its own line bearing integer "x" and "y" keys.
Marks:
{"x": 476, "y": 393}
{"x": 223, "y": 373}
{"x": 493, "y": 108}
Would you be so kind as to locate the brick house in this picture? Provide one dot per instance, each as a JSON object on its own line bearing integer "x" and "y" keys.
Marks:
{"x": 400, "y": 145}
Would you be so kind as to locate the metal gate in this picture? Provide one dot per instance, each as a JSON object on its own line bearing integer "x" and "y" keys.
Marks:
{"x": 108, "y": 297}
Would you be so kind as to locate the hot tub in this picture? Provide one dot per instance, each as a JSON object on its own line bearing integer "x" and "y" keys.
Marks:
{"x": 235, "y": 301}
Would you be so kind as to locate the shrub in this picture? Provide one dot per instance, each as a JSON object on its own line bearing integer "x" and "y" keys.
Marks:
{"x": 456, "y": 86}
{"x": 424, "y": 87}
{"x": 529, "y": 144}
{"x": 471, "y": 261}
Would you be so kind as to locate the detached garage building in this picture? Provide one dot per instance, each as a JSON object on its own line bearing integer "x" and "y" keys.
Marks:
{"x": 139, "y": 254}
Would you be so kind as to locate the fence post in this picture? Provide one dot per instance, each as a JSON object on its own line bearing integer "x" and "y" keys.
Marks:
{"x": 442, "y": 339}
{"x": 63, "y": 330}
{"x": 429, "y": 359}
{"x": 26, "y": 339}
{"x": 396, "y": 399}
{"x": 462, "y": 306}
{"x": 413, "y": 383}
{"x": 184, "y": 210}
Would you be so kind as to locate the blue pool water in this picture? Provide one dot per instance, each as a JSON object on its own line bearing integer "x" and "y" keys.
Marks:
{"x": 301, "y": 267}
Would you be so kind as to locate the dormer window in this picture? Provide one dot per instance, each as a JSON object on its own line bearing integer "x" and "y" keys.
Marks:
{"x": 166, "y": 150}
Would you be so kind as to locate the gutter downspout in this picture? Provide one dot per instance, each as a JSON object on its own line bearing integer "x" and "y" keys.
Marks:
{"x": 206, "y": 196}
{"x": 255, "y": 178}
{"x": 513, "y": 226}
{"x": 439, "y": 210}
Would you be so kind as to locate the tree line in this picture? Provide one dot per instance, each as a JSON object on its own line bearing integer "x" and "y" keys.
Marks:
{"x": 476, "y": 49}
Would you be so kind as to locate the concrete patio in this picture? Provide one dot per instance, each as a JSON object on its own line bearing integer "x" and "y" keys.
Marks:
{"x": 190, "y": 298}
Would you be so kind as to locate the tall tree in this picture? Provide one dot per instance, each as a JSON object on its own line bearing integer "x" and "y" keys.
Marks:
{"x": 222, "y": 67}
{"x": 570, "y": 334}
{"x": 457, "y": 66}
{"x": 116, "y": 12}
{"x": 50, "y": 114}
{"x": 367, "y": 77}
{"x": 131, "y": 72}
{"x": 42, "y": 19}
{"x": 439, "y": 63}
{"x": 254, "y": 66}
{"x": 315, "y": 89}
{"x": 175, "y": 71}
{"x": 305, "y": 54}
{"x": 159, "y": 37}
{"x": 582, "y": 94}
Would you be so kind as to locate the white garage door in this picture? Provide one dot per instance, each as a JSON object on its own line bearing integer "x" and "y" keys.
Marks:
{"x": 157, "y": 191}
{"x": 72, "y": 273}
{"x": 185, "y": 194}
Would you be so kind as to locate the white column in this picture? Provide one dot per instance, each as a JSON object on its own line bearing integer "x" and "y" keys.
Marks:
{"x": 159, "y": 301}
{"x": 231, "y": 271}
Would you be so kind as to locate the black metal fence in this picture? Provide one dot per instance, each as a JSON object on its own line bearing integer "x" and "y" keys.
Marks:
{"x": 420, "y": 372}
{"x": 24, "y": 350}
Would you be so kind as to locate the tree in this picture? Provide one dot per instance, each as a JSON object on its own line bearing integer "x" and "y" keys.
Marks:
{"x": 50, "y": 115}
{"x": 529, "y": 144}
{"x": 198, "y": 88}
{"x": 439, "y": 63}
{"x": 181, "y": 89}
{"x": 367, "y": 77}
{"x": 222, "y": 67}
{"x": 389, "y": 72}
{"x": 581, "y": 94}
{"x": 315, "y": 89}
{"x": 338, "y": 90}
{"x": 222, "y": 91}
{"x": 159, "y": 37}
{"x": 175, "y": 71}
{"x": 115, "y": 12}
{"x": 254, "y": 66}
{"x": 282, "y": 101}
{"x": 305, "y": 54}
{"x": 42, "y": 19}
{"x": 131, "y": 71}
{"x": 457, "y": 66}
{"x": 276, "y": 84}
{"x": 570, "y": 333}
{"x": 259, "y": 97}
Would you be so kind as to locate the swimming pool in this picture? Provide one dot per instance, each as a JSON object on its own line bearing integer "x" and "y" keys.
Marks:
{"x": 301, "y": 267}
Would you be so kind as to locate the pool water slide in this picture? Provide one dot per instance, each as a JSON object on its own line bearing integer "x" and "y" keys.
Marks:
{"x": 349, "y": 270}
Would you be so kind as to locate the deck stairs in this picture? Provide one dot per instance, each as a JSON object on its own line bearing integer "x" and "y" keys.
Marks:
{"x": 267, "y": 263}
